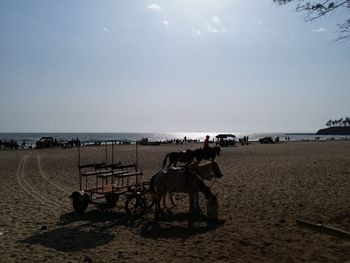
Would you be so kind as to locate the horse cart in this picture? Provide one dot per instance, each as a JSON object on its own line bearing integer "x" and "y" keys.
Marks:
{"x": 105, "y": 183}
{"x": 225, "y": 140}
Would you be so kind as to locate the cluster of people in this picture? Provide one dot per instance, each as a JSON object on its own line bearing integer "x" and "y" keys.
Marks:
{"x": 71, "y": 143}
{"x": 181, "y": 141}
{"x": 9, "y": 145}
{"x": 185, "y": 140}
{"x": 50, "y": 142}
{"x": 244, "y": 140}
{"x": 144, "y": 139}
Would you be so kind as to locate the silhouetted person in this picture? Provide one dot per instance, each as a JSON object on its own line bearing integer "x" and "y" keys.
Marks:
{"x": 206, "y": 143}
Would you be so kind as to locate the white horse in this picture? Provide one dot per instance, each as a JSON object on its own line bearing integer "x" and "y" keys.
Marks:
{"x": 205, "y": 171}
{"x": 187, "y": 180}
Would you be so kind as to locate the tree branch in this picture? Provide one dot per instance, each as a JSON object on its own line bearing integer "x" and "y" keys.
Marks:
{"x": 317, "y": 9}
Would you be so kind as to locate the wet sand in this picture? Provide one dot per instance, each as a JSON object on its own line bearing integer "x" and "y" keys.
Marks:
{"x": 264, "y": 190}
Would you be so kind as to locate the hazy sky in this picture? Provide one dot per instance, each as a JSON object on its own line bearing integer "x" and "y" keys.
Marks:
{"x": 148, "y": 66}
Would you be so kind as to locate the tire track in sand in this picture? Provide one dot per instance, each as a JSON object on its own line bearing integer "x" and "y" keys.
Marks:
{"x": 48, "y": 179}
{"x": 28, "y": 188}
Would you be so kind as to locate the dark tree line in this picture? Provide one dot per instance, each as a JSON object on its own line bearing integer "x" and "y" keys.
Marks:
{"x": 316, "y": 9}
{"x": 341, "y": 122}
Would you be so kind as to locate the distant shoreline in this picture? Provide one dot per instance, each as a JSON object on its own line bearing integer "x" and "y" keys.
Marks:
{"x": 345, "y": 130}
{"x": 31, "y": 138}
{"x": 301, "y": 133}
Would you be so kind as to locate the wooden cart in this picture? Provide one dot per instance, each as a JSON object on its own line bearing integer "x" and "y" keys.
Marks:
{"x": 104, "y": 184}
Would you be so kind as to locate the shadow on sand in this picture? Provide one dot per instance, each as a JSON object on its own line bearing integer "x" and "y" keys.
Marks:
{"x": 179, "y": 226}
{"x": 75, "y": 232}
{"x": 70, "y": 239}
{"x": 104, "y": 219}
{"x": 94, "y": 228}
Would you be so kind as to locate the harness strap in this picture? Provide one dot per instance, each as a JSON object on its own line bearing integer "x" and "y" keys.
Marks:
{"x": 215, "y": 178}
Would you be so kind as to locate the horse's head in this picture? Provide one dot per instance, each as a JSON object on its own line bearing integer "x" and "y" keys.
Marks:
{"x": 215, "y": 170}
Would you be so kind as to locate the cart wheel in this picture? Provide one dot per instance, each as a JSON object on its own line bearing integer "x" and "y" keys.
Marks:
{"x": 112, "y": 199}
{"x": 80, "y": 204}
{"x": 135, "y": 206}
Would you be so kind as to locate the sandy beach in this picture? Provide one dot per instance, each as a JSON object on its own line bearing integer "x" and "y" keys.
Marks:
{"x": 264, "y": 190}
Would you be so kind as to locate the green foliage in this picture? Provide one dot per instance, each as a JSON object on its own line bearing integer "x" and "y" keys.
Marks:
{"x": 341, "y": 122}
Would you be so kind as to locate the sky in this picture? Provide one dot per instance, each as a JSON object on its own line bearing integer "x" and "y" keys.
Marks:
{"x": 169, "y": 66}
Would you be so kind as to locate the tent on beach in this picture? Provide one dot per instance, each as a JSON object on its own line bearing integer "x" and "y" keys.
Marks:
{"x": 224, "y": 136}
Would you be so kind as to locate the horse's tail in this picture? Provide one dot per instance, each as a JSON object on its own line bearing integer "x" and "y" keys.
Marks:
{"x": 151, "y": 185}
{"x": 152, "y": 190}
{"x": 164, "y": 162}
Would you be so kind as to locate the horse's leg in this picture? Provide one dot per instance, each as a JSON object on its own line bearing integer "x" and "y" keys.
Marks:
{"x": 191, "y": 199}
{"x": 157, "y": 199}
{"x": 156, "y": 208}
{"x": 197, "y": 203}
{"x": 172, "y": 199}
{"x": 164, "y": 197}
{"x": 196, "y": 209}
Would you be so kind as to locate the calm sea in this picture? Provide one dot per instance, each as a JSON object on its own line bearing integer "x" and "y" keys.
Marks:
{"x": 30, "y": 138}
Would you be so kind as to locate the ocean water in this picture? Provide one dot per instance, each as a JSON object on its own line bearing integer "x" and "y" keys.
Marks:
{"x": 31, "y": 138}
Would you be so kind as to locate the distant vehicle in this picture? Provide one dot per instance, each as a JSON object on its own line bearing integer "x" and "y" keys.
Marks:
{"x": 225, "y": 140}
{"x": 145, "y": 141}
{"x": 266, "y": 140}
{"x": 45, "y": 142}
